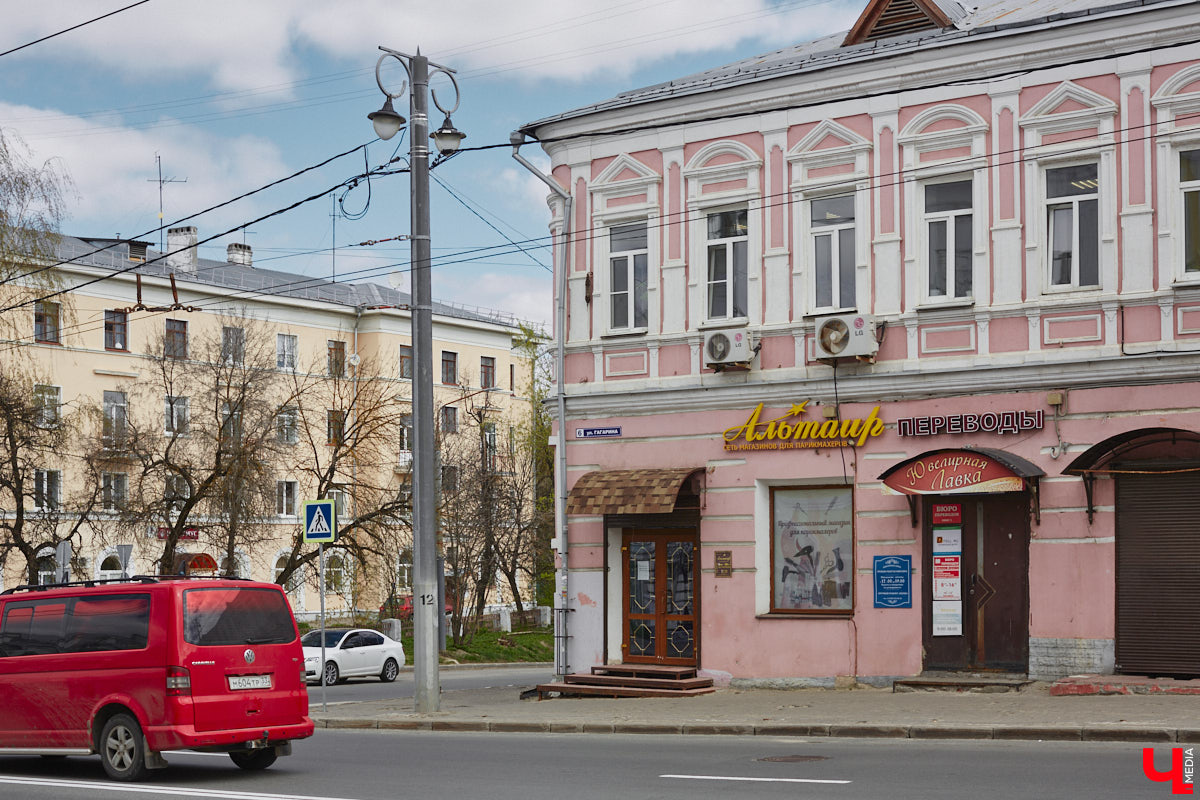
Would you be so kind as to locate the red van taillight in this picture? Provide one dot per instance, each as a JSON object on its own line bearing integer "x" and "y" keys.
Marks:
{"x": 179, "y": 682}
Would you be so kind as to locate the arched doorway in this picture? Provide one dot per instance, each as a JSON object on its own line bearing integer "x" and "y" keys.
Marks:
{"x": 974, "y": 513}
{"x": 1157, "y": 554}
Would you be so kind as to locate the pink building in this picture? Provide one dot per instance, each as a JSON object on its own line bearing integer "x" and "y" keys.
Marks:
{"x": 882, "y": 351}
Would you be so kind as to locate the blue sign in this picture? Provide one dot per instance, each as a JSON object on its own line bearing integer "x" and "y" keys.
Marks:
{"x": 893, "y": 581}
{"x": 320, "y": 521}
{"x": 596, "y": 433}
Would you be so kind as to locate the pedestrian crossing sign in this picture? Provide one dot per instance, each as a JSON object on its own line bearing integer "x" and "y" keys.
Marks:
{"x": 320, "y": 521}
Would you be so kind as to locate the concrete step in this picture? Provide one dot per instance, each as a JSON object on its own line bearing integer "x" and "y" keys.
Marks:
{"x": 570, "y": 689}
{"x": 966, "y": 682}
{"x": 645, "y": 671}
{"x": 638, "y": 682}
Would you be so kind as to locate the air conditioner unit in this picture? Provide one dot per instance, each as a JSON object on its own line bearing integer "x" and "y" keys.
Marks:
{"x": 845, "y": 336}
{"x": 725, "y": 347}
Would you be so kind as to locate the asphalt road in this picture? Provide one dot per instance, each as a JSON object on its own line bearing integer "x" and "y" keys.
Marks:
{"x": 361, "y": 689}
{"x": 381, "y": 765}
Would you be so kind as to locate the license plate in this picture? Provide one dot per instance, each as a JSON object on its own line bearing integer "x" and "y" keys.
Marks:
{"x": 239, "y": 682}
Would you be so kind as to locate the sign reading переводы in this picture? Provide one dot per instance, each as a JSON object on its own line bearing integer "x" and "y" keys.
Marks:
{"x": 790, "y": 432}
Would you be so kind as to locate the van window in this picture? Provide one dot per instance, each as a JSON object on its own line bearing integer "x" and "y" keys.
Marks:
{"x": 32, "y": 628}
{"x": 220, "y": 616}
{"x": 115, "y": 622}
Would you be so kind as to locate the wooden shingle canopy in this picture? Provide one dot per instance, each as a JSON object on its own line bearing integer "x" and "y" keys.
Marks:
{"x": 630, "y": 491}
{"x": 882, "y": 19}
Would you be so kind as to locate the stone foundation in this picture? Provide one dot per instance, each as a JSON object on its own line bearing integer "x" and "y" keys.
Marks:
{"x": 1050, "y": 659}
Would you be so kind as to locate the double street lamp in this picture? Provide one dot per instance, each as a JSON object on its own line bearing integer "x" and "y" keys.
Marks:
{"x": 426, "y": 609}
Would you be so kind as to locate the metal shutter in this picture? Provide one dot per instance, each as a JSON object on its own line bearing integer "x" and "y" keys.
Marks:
{"x": 1158, "y": 574}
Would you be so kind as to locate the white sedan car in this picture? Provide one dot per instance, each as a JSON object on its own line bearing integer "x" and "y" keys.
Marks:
{"x": 349, "y": 653}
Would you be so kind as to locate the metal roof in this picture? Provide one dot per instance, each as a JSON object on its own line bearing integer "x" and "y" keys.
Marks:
{"x": 990, "y": 17}
{"x": 249, "y": 282}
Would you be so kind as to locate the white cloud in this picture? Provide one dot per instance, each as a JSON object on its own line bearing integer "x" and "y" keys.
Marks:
{"x": 528, "y": 296}
{"x": 239, "y": 45}
{"x": 113, "y": 169}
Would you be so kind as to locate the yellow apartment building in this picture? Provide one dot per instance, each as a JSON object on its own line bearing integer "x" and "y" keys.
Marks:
{"x": 207, "y": 400}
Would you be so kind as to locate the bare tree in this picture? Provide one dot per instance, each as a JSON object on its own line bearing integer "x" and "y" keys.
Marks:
{"x": 348, "y": 427}
{"x": 199, "y": 448}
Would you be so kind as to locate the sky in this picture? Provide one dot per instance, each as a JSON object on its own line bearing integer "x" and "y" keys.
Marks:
{"x": 232, "y": 95}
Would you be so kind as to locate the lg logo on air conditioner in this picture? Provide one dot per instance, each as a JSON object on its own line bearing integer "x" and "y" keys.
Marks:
{"x": 1181, "y": 772}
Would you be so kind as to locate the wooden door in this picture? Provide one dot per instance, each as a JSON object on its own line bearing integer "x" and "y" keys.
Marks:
{"x": 994, "y": 586}
{"x": 659, "y": 599}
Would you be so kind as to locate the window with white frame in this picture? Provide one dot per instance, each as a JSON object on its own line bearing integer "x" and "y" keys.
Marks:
{"x": 339, "y": 497}
{"x": 287, "y": 425}
{"x": 728, "y": 240}
{"x": 233, "y": 345}
{"x": 628, "y": 256}
{"x": 114, "y": 490}
{"x": 48, "y": 400}
{"x": 948, "y": 239}
{"x": 406, "y": 361}
{"x": 294, "y": 580}
{"x": 285, "y": 498}
{"x": 1189, "y": 183}
{"x": 285, "y": 351}
{"x": 406, "y": 434}
{"x": 831, "y": 228}
{"x": 110, "y": 568}
{"x": 47, "y": 489}
{"x": 176, "y": 415}
{"x": 176, "y": 492}
{"x": 116, "y": 410}
{"x": 335, "y": 573}
{"x": 45, "y": 321}
{"x": 47, "y": 567}
{"x": 1073, "y": 225}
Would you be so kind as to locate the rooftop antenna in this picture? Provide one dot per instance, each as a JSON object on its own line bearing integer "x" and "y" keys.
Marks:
{"x": 160, "y": 181}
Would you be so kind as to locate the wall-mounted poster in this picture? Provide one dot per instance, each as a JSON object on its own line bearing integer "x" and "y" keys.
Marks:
{"x": 813, "y": 549}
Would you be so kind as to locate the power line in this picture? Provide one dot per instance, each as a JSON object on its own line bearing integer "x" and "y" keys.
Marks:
{"x": 488, "y": 222}
{"x": 74, "y": 27}
{"x": 220, "y": 205}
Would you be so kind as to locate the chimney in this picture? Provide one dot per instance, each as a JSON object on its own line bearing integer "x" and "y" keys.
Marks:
{"x": 182, "y": 240}
{"x": 238, "y": 253}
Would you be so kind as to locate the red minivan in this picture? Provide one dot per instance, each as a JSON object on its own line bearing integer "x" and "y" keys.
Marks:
{"x": 128, "y": 668}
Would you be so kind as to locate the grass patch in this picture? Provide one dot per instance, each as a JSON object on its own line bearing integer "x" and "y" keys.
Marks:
{"x": 492, "y": 647}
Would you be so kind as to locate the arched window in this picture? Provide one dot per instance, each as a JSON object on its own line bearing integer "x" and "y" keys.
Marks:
{"x": 110, "y": 568}
{"x": 293, "y": 581}
{"x": 46, "y": 572}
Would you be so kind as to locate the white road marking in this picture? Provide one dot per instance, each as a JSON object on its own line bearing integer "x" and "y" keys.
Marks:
{"x": 181, "y": 791}
{"x": 749, "y": 780}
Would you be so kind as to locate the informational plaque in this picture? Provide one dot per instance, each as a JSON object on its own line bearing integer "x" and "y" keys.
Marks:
{"x": 723, "y": 563}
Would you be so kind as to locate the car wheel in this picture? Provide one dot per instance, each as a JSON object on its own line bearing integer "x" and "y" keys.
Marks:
{"x": 122, "y": 748}
{"x": 254, "y": 759}
{"x": 390, "y": 670}
{"x": 331, "y": 673}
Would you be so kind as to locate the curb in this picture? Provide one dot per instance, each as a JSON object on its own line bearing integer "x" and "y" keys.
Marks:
{"x": 490, "y": 665}
{"x": 1063, "y": 733}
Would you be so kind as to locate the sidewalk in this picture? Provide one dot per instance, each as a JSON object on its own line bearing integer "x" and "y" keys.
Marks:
{"x": 1031, "y": 714}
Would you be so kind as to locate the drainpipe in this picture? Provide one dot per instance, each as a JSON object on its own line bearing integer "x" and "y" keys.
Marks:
{"x": 561, "y": 665}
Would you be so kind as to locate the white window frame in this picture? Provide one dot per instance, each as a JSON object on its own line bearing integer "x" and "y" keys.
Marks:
{"x": 1074, "y": 202}
{"x": 706, "y": 194}
{"x": 233, "y": 345}
{"x": 47, "y": 489}
{"x": 116, "y": 416}
{"x": 606, "y": 257}
{"x": 341, "y": 501}
{"x": 285, "y": 351}
{"x": 1176, "y": 132}
{"x": 177, "y": 418}
{"x": 626, "y": 192}
{"x": 1040, "y": 121}
{"x": 730, "y": 282}
{"x": 287, "y": 425}
{"x": 809, "y": 253}
{"x": 949, "y": 219}
{"x": 112, "y": 498}
{"x": 175, "y": 486}
{"x": 285, "y": 498}
{"x": 109, "y": 574}
{"x": 48, "y": 398}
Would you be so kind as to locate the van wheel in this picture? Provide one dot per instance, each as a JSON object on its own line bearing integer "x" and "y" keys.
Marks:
{"x": 331, "y": 674}
{"x": 254, "y": 759}
{"x": 122, "y": 748}
{"x": 390, "y": 670}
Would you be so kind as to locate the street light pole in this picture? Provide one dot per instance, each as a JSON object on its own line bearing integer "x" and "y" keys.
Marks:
{"x": 425, "y": 579}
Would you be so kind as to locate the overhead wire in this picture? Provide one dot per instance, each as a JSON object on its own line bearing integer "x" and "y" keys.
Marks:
{"x": 74, "y": 27}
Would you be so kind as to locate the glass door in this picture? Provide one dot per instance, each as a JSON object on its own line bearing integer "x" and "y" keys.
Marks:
{"x": 659, "y": 597}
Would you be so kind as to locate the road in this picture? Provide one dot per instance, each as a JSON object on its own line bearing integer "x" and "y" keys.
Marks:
{"x": 383, "y": 765}
{"x": 360, "y": 689}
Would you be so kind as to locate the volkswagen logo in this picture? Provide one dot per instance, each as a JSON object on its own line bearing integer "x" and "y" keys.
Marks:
{"x": 248, "y": 655}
